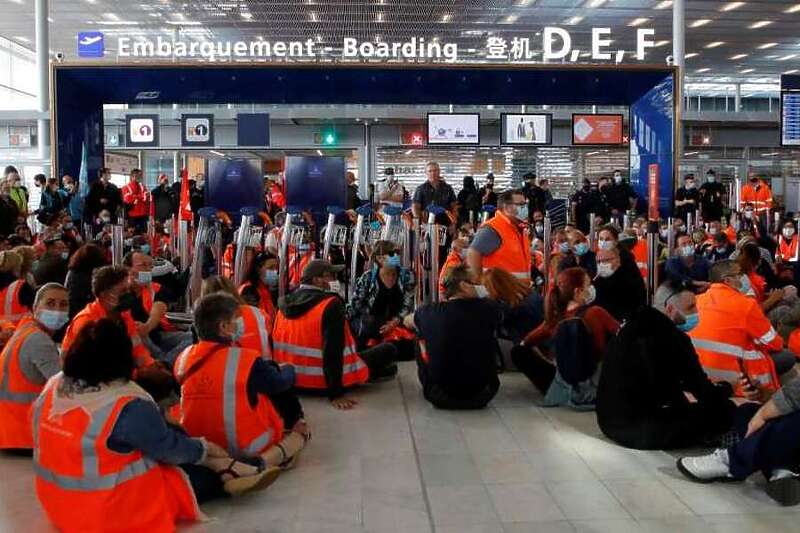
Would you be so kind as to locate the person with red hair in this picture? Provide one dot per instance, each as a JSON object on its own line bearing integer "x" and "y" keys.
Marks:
{"x": 561, "y": 356}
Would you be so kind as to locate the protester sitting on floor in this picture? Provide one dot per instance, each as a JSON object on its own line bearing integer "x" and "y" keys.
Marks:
{"x": 312, "y": 333}
{"x": 649, "y": 368}
{"x": 15, "y": 292}
{"x": 561, "y": 356}
{"x": 522, "y": 307}
{"x": 216, "y": 373}
{"x": 721, "y": 248}
{"x": 260, "y": 284}
{"x": 28, "y": 360}
{"x": 255, "y": 334}
{"x": 688, "y": 267}
{"x": 457, "y": 255}
{"x": 770, "y": 444}
{"x": 620, "y": 287}
{"x": 579, "y": 255}
{"x": 79, "y": 276}
{"x": 104, "y": 452}
{"x": 457, "y": 364}
{"x": 764, "y": 291}
{"x": 383, "y": 295}
{"x": 733, "y": 337}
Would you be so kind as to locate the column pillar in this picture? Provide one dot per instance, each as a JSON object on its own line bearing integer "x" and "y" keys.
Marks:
{"x": 737, "y": 102}
{"x": 42, "y": 30}
{"x": 679, "y": 39}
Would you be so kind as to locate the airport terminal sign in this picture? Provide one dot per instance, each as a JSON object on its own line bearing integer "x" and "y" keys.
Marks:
{"x": 555, "y": 44}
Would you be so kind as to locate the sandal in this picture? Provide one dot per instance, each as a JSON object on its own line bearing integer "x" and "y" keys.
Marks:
{"x": 244, "y": 483}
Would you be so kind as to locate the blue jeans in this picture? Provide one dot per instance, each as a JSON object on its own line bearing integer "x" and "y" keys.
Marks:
{"x": 774, "y": 446}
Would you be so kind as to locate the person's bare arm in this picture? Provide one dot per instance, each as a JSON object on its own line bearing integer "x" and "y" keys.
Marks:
{"x": 417, "y": 210}
{"x": 475, "y": 263}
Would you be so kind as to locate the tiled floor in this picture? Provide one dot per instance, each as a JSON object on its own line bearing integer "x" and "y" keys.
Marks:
{"x": 396, "y": 465}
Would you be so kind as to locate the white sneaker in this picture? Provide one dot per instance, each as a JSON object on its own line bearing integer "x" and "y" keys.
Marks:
{"x": 706, "y": 468}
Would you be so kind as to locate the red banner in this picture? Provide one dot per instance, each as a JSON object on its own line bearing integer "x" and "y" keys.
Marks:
{"x": 185, "y": 211}
{"x": 652, "y": 188}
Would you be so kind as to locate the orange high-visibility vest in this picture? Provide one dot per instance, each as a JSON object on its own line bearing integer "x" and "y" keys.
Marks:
{"x": 85, "y": 487}
{"x": 215, "y": 403}
{"x": 793, "y": 343}
{"x": 514, "y": 254}
{"x": 17, "y": 392}
{"x": 227, "y": 262}
{"x": 264, "y": 300}
{"x": 733, "y": 337}
{"x": 256, "y": 331}
{"x": 640, "y": 255}
{"x": 94, "y": 312}
{"x": 298, "y": 341}
{"x": 761, "y": 198}
{"x": 13, "y": 311}
{"x": 453, "y": 260}
{"x": 787, "y": 251}
{"x": 148, "y": 296}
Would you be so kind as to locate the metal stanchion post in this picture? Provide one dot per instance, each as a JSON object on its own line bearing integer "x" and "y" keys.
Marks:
{"x": 548, "y": 246}
{"x": 592, "y": 230}
{"x": 326, "y": 244}
{"x": 183, "y": 243}
{"x": 361, "y": 213}
{"x": 689, "y": 223}
{"x": 173, "y": 237}
{"x": 117, "y": 243}
{"x": 433, "y": 240}
{"x": 670, "y": 236}
{"x": 626, "y": 221}
{"x": 283, "y": 257}
{"x": 242, "y": 241}
{"x": 652, "y": 260}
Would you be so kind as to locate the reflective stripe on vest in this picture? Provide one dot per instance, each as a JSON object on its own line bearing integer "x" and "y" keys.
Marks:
{"x": 261, "y": 326}
{"x": 733, "y": 377}
{"x": 727, "y": 349}
{"x": 91, "y": 480}
{"x": 302, "y": 351}
{"x": 229, "y": 408}
{"x": 7, "y": 395}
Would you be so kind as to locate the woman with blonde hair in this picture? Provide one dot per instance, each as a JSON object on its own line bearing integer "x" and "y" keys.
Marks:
{"x": 522, "y": 307}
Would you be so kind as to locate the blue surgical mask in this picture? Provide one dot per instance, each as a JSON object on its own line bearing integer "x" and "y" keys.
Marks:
{"x": 52, "y": 320}
{"x": 270, "y": 278}
{"x": 393, "y": 261}
{"x": 522, "y": 212}
{"x": 374, "y": 225}
{"x": 64, "y": 255}
{"x": 304, "y": 247}
{"x": 581, "y": 248}
{"x": 690, "y": 322}
{"x": 746, "y": 286}
{"x": 145, "y": 249}
{"x": 144, "y": 278}
{"x": 563, "y": 247}
{"x": 239, "y": 331}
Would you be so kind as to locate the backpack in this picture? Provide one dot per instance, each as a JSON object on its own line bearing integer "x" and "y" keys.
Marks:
{"x": 574, "y": 349}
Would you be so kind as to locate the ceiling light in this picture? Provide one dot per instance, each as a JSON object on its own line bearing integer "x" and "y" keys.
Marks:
{"x": 511, "y": 19}
{"x": 216, "y": 153}
{"x": 661, "y": 43}
{"x": 523, "y": 3}
{"x": 319, "y": 38}
{"x": 767, "y": 45}
{"x": 787, "y": 57}
{"x": 183, "y": 22}
{"x": 379, "y": 17}
{"x": 312, "y": 16}
{"x": 693, "y": 54}
{"x": 793, "y": 9}
{"x": 638, "y": 21}
{"x": 664, "y": 5}
{"x": 574, "y": 20}
{"x": 247, "y": 16}
{"x": 715, "y": 44}
{"x": 110, "y": 16}
{"x": 21, "y": 39}
{"x": 791, "y": 71}
{"x": 702, "y": 70}
{"x": 738, "y": 56}
{"x": 319, "y": 153}
{"x": 119, "y": 23}
{"x": 596, "y": 3}
{"x": 730, "y": 6}
{"x": 17, "y": 1}
{"x": 759, "y": 24}
{"x": 746, "y": 71}
{"x": 445, "y": 18}
{"x": 699, "y": 22}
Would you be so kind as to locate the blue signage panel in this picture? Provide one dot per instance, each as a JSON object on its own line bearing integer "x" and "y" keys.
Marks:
{"x": 316, "y": 183}
{"x": 233, "y": 184}
{"x": 91, "y": 44}
{"x": 252, "y": 129}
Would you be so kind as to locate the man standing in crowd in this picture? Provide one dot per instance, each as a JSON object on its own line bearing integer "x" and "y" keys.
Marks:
{"x": 687, "y": 198}
{"x": 435, "y": 192}
{"x": 18, "y": 192}
{"x": 487, "y": 192}
{"x": 758, "y": 193}
{"x": 103, "y": 195}
{"x": 648, "y": 369}
{"x": 503, "y": 241}
{"x": 353, "y": 200}
{"x": 711, "y": 198}
{"x": 581, "y": 205}
{"x": 74, "y": 201}
{"x": 391, "y": 191}
{"x": 164, "y": 199}
{"x": 620, "y": 195}
{"x": 136, "y": 200}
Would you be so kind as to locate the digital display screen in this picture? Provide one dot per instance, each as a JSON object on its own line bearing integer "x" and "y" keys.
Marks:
{"x": 526, "y": 129}
{"x": 461, "y": 128}
{"x": 790, "y": 118}
{"x": 596, "y": 129}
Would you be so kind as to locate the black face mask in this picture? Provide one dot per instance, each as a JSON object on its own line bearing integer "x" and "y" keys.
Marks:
{"x": 126, "y": 302}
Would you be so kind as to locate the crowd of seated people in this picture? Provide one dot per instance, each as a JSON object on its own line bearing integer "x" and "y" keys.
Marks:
{"x": 189, "y": 414}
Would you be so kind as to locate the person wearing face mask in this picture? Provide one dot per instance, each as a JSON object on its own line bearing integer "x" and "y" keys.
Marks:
{"x": 562, "y": 355}
{"x": 503, "y": 241}
{"x": 579, "y": 255}
{"x": 649, "y": 368}
{"x": 787, "y": 252}
{"x": 457, "y": 361}
{"x": 266, "y": 426}
{"x": 381, "y": 298}
{"x": 136, "y": 199}
{"x": 758, "y": 193}
{"x": 538, "y": 225}
{"x": 29, "y": 359}
{"x": 299, "y": 257}
{"x": 74, "y": 200}
{"x": 392, "y": 192}
{"x": 53, "y": 264}
{"x": 751, "y": 223}
{"x": 720, "y": 249}
{"x": 688, "y": 267}
{"x": 620, "y": 195}
{"x": 17, "y": 193}
{"x": 620, "y": 287}
{"x": 687, "y": 198}
{"x": 311, "y": 332}
{"x": 734, "y": 339}
{"x": 261, "y": 284}
{"x": 103, "y": 196}
{"x": 710, "y": 199}
{"x": 165, "y": 201}
{"x": 16, "y": 292}
{"x": 457, "y": 255}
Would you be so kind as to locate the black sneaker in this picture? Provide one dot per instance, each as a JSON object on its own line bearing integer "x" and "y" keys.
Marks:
{"x": 384, "y": 374}
{"x": 784, "y": 488}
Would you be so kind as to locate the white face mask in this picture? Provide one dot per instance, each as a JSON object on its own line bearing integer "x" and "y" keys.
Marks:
{"x": 710, "y": 178}
{"x": 605, "y": 245}
{"x": 617, "y": 178}
{"x": 481, "y": 291}
{"x": 334, "y": 286}
{"x": 690, "y": 186}
{"x": 604, "y": 270}
{"x": 687, "y": 251}
{"x": 788, "y": 232}
{"x": 713, "y": 231}
{"x": 748, "y": 214}
{"x": 590, "y": 295}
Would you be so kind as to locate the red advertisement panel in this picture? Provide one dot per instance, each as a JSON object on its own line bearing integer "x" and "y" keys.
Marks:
{"x": 652, "y": 178}
{"x": 596, "y": 129}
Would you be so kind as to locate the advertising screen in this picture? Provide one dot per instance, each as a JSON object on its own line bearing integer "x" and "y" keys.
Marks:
{"x": 790, "y": 118}
{"x": 461, "y": 128}
{"x": 526, "y": 129}
{"x": 315, "y": 183}
{"x": 233, "y": 184}
{"x": 596, "y": 129}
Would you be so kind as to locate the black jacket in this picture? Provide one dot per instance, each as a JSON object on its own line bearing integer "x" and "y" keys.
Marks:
{"x": 109, "y": 192}
{"x": 51, "y": 268}
{"x": 299, "y": 303}
{"x": 165, "y": 202}
{"x": 647, "y": 368}
{"x": 622, "y": 293}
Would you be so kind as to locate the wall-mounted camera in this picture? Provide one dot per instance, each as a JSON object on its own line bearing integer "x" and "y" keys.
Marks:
{"x": 59, "y": 57}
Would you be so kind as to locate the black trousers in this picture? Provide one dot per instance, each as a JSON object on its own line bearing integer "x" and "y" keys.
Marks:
{"x": 381, "y": 360}
{"x": 287, "y": 404}
{"x": 540, "y": 372}
{"x": 774, "y": 446}
{"x": 442, "y": 400}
